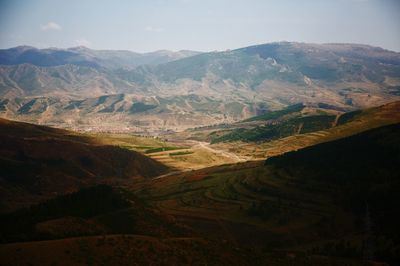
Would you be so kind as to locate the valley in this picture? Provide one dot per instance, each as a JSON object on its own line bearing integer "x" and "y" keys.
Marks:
{"x": 211, "y": 198}
{"x": 201, "y": 133}
{"x": 280, "y": 154}
{"x": 250, "y": 211}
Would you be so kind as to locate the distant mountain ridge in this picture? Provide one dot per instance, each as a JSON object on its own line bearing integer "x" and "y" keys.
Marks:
{"x": 246, "y": 81}
{"x": 83, "y": 56}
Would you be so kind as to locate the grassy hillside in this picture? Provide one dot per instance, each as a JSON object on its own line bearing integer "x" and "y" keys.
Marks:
{"x": 365, "y": 168}
{"x": 96, "y": 210}
{"x": 105, "y": 225}
{"x": 277, "y": 114}
{"x": 330, "y": 204}
{"x": 332, "y": 199}
{"x": 347, "y": 124}
{"x": 39, "y": 162}
{"x": 146, "y": 250}
{"x": 292, "y": 120}
{"x": 292, "y": 126}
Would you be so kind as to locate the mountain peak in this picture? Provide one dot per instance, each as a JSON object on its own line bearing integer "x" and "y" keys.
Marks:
{"x": 21, "y": 48}
{"x": 80, "y": 48}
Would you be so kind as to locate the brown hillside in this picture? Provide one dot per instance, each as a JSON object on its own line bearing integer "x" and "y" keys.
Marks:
{"x": 39, "y": 162}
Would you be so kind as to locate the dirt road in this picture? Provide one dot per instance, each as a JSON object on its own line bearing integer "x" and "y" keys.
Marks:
{"x": 206, "y": 145}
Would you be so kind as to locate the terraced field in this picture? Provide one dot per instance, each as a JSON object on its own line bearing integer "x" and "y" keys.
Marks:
{"x": 304, "y": 208}
{"x": 244, "y": 199}
{"x": 301, "y": 206}
{"x": 179, "y": 155}
{"x": 199, "y": 155}
{"x": 189, "y": 150}
{"x": 346, "y": 125}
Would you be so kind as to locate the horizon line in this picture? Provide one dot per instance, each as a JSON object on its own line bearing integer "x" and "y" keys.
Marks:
{"x": 190, "y": 50}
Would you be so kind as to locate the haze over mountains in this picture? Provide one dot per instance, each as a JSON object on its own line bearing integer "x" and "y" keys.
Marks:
{"x": 83, "y": 56}
{"x": 78, "y": 87}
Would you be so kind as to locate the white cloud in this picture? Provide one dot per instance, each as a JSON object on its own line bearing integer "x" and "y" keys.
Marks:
{"x": 51, "y": 25}
{"x": 82, "y": 42}
{"x": 153, "y": 29}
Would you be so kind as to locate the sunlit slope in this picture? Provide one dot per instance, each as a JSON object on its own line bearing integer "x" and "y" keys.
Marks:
{"x": 178, "y": 154}
{"x": 341, "y": 125}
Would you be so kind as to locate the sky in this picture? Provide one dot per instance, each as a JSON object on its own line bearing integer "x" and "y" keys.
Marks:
{"x": 202, "y": 25}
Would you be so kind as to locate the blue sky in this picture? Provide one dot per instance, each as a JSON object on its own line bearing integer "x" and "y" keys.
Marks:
{"x": 204, "y": 25}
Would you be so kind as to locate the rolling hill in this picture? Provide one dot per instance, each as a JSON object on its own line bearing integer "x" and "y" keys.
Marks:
{"x": 294, "y": 209}
{"x": 335, "y": 199}
{"x": 299, "y": 120}
{"x": 290, "y": 129}
{"x": 39, "y": 162}
{"x": 306, "y": 207}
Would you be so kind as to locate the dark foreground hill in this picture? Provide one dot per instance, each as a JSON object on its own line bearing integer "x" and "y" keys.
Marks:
{"x": 334, "y": 203}
{"x": 39, "y": 162}
{"x": 96, "y": 210}
{"x": 338, "y": 199}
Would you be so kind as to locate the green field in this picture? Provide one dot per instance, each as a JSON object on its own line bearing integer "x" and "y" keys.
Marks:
{"x": 276, "y": 114}
{"x": 161, "y": 149}
{"x": 180, "y": 153}
{"x": 292, "y": 126}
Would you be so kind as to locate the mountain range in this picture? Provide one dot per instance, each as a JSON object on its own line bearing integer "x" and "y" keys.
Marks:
{"x": 77, "y": 87}
{"x": 83, "y": 56}
{"x": 278, "y": 154}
